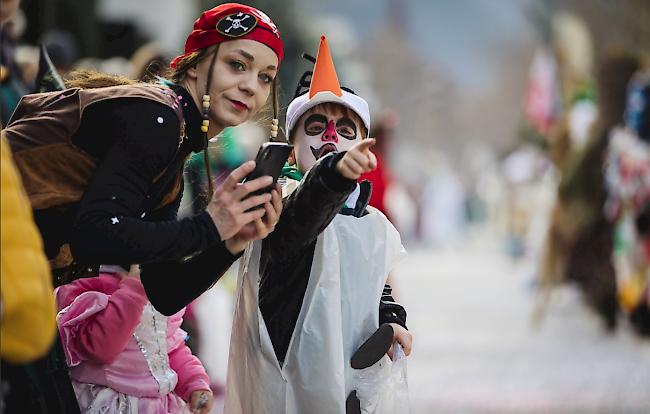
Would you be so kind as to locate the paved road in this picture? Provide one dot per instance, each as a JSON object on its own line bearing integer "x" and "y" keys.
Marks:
{"x": 477, "y": 352}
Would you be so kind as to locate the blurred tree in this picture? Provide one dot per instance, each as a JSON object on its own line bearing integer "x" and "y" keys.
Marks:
{"x": 625, "y": 23}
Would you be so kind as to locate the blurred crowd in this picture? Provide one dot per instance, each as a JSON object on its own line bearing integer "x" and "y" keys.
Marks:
{"x": 583, "y": 157}
{"x": 573, "y": 192}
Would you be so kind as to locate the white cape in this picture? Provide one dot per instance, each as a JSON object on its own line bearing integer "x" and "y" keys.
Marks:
{"x": 340, "y": 310}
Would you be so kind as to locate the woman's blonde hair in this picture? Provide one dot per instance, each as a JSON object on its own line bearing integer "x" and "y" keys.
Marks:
{"x": 177, "y": 74}
{"x": 88, "y": 79}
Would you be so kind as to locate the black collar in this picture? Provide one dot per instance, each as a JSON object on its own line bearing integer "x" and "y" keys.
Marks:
{"x": 359, "y": 210}
{"x": 192, "y": 117}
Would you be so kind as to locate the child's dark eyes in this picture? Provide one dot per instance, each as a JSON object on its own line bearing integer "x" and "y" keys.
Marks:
{"x": 315, "y": 124}
{"x": 346, "y": 128}
{"x": 346, "y": 132}
{"x": 315, "y": 129}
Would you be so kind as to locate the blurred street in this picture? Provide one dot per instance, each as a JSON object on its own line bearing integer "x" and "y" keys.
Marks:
{"x": 475, "y": 350}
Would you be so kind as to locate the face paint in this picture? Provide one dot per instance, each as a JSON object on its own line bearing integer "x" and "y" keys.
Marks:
{"x": 330, "y": 133}
{"x": 322, "y": 132}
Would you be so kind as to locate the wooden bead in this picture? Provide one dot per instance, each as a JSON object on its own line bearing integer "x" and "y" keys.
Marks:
{"x": 274, "y": 128}
{"x": 206, "y": 122}
{"x": 204, "y": 128}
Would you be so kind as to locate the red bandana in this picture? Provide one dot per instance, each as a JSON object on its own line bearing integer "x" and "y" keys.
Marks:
{"x": 231, "y": 21}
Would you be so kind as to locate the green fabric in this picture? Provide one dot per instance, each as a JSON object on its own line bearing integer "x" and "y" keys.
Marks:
{"x": 225, "y": 153}
{"x": 587, "y": 92}
{"x": 292, "y": 172}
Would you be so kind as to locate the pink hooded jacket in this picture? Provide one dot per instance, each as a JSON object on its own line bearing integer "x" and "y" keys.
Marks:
{"x": 113, "y": 337}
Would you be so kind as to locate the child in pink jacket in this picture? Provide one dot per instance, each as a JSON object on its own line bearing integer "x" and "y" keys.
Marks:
{"x": 124, "y": 356}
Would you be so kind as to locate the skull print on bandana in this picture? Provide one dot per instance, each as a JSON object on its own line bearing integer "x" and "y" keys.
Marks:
{"x": 236, "y": 24}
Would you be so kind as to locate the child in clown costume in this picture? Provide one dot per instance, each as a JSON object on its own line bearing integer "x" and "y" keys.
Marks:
{"x": 307, "y": 296}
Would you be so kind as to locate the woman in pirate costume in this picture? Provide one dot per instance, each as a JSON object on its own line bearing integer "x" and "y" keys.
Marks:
{"x": 308, "y": 294}
{"x": 103, "y": 169}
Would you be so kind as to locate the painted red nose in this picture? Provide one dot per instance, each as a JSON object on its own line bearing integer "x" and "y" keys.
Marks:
{"x": 330, "y": 133}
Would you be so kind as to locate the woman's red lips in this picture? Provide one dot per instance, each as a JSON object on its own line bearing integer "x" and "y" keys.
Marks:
{"x": 240, "y": 106}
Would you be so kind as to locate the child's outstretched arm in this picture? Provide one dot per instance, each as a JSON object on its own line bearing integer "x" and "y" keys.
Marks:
{"x": 358, "y": 160}
{"x": 309, "y": 209}
{"x": 319, "y": 198}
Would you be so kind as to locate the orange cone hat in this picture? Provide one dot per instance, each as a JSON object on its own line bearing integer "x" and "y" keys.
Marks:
{"x": 324, "y": 77}
{"x": 325, "y": 87}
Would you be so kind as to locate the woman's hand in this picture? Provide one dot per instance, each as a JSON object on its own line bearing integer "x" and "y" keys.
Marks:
{"x": 403, "y": 337}
{"x": 357, "y": 160}
{"x": 201, "y": 401}
{"x": 228, "y": 206}
{"x": 260, "y": 227}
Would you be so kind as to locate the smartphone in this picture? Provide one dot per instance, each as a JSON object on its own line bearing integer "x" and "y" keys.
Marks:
{"x": 269, "y": 161}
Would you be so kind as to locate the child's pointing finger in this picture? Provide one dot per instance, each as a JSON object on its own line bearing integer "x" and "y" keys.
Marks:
{"x": 365, "y": 145}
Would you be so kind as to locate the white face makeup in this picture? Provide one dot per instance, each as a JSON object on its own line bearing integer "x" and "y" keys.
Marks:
{"x": 320, "y": 131}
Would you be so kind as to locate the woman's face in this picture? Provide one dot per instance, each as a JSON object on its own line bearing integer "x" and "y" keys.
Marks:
{"x": 241, "y": 81}
{"x": 322, "y": 130}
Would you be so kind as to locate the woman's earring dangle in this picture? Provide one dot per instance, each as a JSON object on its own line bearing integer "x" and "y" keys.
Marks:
{"x": 274, "y": 128}
{"x": 206, "y": 110}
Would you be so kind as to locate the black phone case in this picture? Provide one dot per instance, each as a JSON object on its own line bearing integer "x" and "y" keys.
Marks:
{"x": 269, "y": 161}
